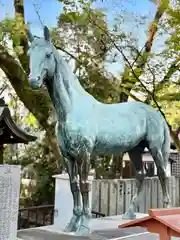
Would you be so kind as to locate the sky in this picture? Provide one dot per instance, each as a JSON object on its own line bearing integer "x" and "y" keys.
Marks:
{"x": 49, "y": 10}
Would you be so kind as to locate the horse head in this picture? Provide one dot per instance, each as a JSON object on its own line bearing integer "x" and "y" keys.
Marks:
{"x": 42, "y": 60}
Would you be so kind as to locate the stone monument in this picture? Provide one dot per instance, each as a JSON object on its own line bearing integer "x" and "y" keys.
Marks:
{"x": 86, "y": 126}
{"x": 9, "y": 200}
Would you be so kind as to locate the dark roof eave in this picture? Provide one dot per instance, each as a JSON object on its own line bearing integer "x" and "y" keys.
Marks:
{"x": 25, "y": 137}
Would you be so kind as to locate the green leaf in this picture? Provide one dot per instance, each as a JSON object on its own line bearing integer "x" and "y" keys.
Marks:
{"x": 31, "y": 120}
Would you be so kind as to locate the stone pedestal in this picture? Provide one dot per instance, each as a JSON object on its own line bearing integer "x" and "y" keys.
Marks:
{"x": 64, "y": 201}
{"x": 100, "y": 229}
{"x": 9, "y": 201}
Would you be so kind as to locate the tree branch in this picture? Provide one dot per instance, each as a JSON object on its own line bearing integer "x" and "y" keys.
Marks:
{"x": 2, "y": 89}
{"x": 172, "y": 69}
{"x": 142, "y": 59}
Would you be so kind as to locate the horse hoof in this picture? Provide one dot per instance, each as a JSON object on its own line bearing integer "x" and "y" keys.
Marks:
{"x": 83, "y": 231}
{"x": 71, "y": 227}
{"x": 168, "y": 206}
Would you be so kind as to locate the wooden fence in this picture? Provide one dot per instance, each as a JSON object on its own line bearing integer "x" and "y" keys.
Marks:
{"x": 112, "y": 197}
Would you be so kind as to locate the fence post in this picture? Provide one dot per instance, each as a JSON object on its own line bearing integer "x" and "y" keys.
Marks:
{"x": 127, "y": 195}
{"x": 120, "y": 197}
{"x": 174, "y": 187}
{"x": 177, "y": 191}
{"x": 113, "y": 188}
{"x": 148, "y": 191}
{"x": 154, "y": 192}
{"x": 96, "y": 195}
{"x": 104, "y": 200}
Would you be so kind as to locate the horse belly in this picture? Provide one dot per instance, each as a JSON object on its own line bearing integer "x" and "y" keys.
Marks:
{"x": 118, "y": 140}
{"x": 109, "y": 145}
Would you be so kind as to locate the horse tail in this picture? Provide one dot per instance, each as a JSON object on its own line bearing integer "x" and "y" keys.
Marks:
{"x": 166, "y": 149}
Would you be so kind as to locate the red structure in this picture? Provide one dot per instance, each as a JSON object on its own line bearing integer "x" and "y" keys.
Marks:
{"x": 165, "y": 222}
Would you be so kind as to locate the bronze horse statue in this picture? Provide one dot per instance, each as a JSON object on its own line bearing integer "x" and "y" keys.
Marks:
{"x": 86, "y": 126}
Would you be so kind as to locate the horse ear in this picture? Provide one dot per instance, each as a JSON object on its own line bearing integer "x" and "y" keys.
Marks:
{"x": 46, "y": 33}
{"x": 30, "y": 36}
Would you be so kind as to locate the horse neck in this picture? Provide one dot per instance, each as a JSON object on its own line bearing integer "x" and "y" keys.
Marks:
{"x": 64, "y": 89}
{"x": 71, "y": 82}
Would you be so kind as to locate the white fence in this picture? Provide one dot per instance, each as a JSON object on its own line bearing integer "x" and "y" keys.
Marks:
{"x": 112, "y": 197}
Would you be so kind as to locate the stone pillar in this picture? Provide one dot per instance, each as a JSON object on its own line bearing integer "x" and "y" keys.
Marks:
{"x": 9, "y": 200}
{"x": 64, "y": 201}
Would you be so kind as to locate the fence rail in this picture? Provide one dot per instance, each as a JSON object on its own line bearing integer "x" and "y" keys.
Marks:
{"x": 112, "y": 197}
{"x": 43, "y": 215}
{"x": 35, "y": 216}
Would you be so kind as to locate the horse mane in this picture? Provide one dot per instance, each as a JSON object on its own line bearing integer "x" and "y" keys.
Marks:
{"x": 67, "y": 74}
{"x": 63, "y": 70}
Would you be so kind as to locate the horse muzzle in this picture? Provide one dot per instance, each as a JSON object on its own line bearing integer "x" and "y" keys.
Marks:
{"x": 38, "y": 81}
{"x": 35, "y": 83}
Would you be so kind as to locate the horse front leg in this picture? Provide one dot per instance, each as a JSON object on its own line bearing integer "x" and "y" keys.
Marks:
{"x": 74, "y": 223}
{"x": 85, "y": 186}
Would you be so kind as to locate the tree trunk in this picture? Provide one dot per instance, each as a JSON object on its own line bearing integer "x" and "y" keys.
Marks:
{"x": 21, "y": 27}
{"x": 119, "y": 166}
{"x": 175, "y": 138}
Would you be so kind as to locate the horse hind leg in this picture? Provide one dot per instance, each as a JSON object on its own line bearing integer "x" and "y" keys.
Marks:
{"x": 136, "y": 159}
{"x": 73, "y": 225}
{"x": 161, "y": 161}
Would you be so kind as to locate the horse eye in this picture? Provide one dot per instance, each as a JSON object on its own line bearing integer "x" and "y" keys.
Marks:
{"x": 48, "y": 55}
